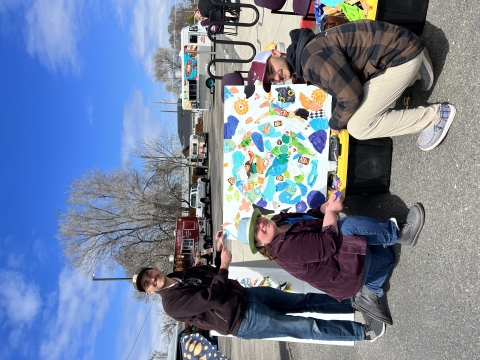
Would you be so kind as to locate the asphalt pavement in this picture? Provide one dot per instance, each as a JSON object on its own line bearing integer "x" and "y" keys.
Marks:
{"x": 433, "y": 292}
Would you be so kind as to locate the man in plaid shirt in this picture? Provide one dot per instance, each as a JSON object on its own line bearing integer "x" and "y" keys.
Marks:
{"x": 366, "y": 65}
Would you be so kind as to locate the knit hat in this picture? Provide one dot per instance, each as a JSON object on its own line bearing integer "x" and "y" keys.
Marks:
{"x": 259, "y": 68}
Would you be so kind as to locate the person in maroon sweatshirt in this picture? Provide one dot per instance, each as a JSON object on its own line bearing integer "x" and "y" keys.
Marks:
{"x": 205, "y": 297}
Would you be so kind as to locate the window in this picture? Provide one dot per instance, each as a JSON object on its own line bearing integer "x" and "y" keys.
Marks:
{"x": 189, "y": 225}
{"x": 187, "y": 246}
{"x": 192, "y": 90}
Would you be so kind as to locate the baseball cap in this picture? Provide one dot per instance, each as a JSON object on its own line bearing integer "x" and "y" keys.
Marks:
{"x": 136, "y": 279}
{"x": 258, "y": 69}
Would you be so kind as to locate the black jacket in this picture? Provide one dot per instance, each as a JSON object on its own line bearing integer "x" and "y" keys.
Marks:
{"x": 205, "y": 7}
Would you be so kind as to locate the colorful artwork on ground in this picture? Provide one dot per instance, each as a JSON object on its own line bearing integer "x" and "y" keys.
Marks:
{"x": 275, "y": 151}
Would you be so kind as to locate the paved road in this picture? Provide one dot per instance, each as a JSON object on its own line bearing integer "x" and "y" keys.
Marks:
{"x": 434, "y": 288}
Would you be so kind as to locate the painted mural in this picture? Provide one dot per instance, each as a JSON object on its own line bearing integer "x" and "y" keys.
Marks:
{"x": 275, "y": 150}
{"x": 190, "y": 72}
{"x": 190, "y": 63}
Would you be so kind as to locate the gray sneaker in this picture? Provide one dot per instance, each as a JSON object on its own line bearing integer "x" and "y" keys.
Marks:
{"x": 426, "y": 72}
{"x": 373, "y": 330}
{"x": 432, "y": 136}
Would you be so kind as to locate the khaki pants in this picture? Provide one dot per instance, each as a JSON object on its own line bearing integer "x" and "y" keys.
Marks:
{"x": 373, "y": 118}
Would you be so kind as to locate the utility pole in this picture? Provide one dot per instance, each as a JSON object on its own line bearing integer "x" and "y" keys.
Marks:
{"x": 166, "y": 102}
{"x": 109, "y": 279}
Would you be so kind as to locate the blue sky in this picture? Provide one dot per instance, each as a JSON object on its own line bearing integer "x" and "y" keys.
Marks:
{"x": 76, "y": 91}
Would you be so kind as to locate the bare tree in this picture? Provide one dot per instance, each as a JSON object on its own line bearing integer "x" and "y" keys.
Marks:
{"x": 167, "y": 327}
{"x": 178, "y": 19}
{"x": 123, "y": 216}
{"x": 164, "y": 149}
{"x": 166, "y": 62}
{"x": 159, "y": 355}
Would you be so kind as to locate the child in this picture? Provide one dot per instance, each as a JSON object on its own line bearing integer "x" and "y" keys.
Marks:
{"x": 340, "y": 258}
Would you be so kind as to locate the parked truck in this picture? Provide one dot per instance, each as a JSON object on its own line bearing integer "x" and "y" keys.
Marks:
{"x": 199, "y": 147}
{"x": 193, "y": 244}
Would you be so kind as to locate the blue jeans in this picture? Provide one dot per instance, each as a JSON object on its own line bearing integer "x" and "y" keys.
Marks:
{"x": 379, "y": 259}
{"x": 265, "y": 316}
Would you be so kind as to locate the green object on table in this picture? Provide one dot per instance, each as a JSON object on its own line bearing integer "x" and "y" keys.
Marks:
{"x": 352, "y": 12}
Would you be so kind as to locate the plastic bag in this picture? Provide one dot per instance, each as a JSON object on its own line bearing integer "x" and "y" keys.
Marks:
{"x": 319, "y": 13}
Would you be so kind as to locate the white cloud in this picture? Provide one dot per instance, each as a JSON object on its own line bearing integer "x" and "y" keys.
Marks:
{"x": 20, "y": 301}
{"x": 15, "y": 260}
{"x": 89, "y": 109}
{"x": 15, "y": 336}
{"x": 40, "y": 249}
{"x": 82, "y": 305}
{"x": 122, "y": 8}
{"x": 138, "y": 124}
{"x": 131, "y": 327}
{"x": 53, "y": 28}
{"x": 9, "y": 240}
{"x": 148, "y": 28}
{"x": 52, "y": 33}
{"x": 9, "y": 5}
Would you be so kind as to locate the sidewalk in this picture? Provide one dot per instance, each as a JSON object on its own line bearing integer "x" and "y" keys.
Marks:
{"x": 270, "y": 27}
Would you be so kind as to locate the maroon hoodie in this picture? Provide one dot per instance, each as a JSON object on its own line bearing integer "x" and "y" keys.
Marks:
{"x": 217, "y": 303}
{"x": 319, "y": 256}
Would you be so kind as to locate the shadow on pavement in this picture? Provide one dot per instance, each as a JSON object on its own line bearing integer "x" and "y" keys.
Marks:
{"x": 382, "y": 207}
{"x": 438, "y": 47}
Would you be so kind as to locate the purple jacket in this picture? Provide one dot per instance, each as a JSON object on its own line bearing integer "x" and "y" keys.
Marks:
{"x": 320, "y": 257}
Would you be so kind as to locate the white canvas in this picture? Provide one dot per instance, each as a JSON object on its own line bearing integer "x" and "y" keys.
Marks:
{"x": 274, "y": 159}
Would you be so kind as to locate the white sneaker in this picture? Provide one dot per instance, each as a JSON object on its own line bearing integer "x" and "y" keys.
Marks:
{"x": 433, "y": 136}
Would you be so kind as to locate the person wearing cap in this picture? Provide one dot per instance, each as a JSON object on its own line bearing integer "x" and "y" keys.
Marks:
{"x": 344, "y": 258}
{"x": 366, "y": 65}
{"x": 205, "y": 297}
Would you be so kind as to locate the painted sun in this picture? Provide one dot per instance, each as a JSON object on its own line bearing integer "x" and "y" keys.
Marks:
{"x": 241, "y": 106}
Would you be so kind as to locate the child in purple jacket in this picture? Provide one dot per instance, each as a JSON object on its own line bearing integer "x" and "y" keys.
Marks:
{"x": 344, "y": 258}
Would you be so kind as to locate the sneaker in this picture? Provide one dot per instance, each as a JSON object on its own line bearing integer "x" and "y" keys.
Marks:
{"x": 432, "y": 136}
{"x": 426, "y": 72}
{"x": 412, "y": 226}
{"x": 373, "y": 330}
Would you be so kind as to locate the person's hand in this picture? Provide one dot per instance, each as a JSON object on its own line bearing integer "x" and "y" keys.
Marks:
{"x": 334, "y": 204}
{"x": 336, "y": 132}
{"x": 323, "y": 208}
{"x": 226, "y": 258}
{"x": 219, "y": 240}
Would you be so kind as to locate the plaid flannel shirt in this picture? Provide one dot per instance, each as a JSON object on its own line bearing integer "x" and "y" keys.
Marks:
{"x": 342, "y": 59}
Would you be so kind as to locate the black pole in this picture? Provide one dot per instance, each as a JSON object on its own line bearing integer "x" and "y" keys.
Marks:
{"x": 109, "y": 279}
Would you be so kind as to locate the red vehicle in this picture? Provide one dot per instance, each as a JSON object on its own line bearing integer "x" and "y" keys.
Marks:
{"x": 193, "y": 246}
